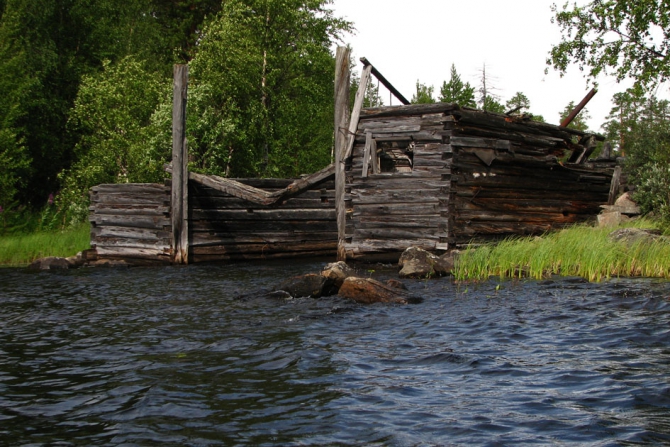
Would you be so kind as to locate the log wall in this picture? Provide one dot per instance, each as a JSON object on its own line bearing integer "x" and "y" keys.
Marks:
{"x": 473, "y": 175}
{"x": 131, "y": 222}
{"x": 225, "y": 228}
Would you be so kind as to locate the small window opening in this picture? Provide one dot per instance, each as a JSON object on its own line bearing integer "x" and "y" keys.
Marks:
{"x": 396, "y": 156}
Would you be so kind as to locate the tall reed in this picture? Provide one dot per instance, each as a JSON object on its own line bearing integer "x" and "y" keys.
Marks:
{"x": 577, "y": 251}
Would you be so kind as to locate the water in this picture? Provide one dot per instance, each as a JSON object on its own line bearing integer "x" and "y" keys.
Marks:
{"x": 168, "y": 356}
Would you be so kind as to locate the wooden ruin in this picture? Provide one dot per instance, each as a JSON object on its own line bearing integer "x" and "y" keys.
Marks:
{"x": 436, "y": 176}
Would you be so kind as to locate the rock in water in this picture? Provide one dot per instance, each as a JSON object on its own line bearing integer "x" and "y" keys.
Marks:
{"x": 311, "y": 285}
{"x": 337, "y": 272}
{"x": 368, "y": 291}
{"x": 416, "y": 262}
{"x": 50, "y": 263}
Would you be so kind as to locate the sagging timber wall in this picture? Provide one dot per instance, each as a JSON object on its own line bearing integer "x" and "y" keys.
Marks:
{"x": 131, "y": 222}
{"x": 442, "y": 176}
{"x": 225, "y": 228}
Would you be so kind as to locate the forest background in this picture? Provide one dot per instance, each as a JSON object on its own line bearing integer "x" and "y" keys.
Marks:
{"x": 87, "y": 85}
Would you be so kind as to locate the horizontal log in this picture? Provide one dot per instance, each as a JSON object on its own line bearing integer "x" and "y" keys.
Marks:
{"x": 232, "y": 203}
{"x": 130, "y": 233}
{"x": 371, "y": 196}
{"x": 399, "y": 209}
{"x": 108, "y": 242}
{"x": 128, "y": 252}
{"x": 129, "y": 199}
{"x": 127, "y": 209}
{"x": 484, "y": 143}
{"x": 136, "y": 188}
{"x": 412, "y": 109}
{"x": 266, "y": 248}
{"x": 376, "y": 234}
{"x": 527, "y": 205}
{"x": 154, "y": 222}
{"x": 228, "y": 257}
{"x": 264, "y": 215}
{"x": 251, "y": 226}
{"x": 205, "y": 239}
{"x": 500, "y": 193}
{"x": 373, "y": 246}
{"x": 392, "y": 183}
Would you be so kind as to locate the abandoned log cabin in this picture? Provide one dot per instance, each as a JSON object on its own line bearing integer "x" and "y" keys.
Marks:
{"x": 433, "y": 176}
{"x": 436, "y": 176}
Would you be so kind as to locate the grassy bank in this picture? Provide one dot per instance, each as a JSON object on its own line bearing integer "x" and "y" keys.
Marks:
{"x": 22, "y": 249}
{"x": 584, "y": 251}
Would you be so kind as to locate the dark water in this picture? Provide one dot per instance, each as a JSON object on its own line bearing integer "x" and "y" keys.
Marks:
{"x": 167, "y": 356}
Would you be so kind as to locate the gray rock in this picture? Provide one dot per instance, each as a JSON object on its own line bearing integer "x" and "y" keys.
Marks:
{"x": 50, "y": 263}
{"x": 416, "y": 262}
{"x": 337, "y": 272}
{"x": 310, "y": 285}
{"x": 631, "y": 236}
{"x": 611, "y": 219}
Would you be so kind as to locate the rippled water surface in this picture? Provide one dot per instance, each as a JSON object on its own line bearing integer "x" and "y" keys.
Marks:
{"x": 169, "y": 356}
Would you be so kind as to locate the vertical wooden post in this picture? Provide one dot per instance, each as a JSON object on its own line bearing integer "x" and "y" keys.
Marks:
{"x": 179, "y": 166}
{"x": 341, "y": 139}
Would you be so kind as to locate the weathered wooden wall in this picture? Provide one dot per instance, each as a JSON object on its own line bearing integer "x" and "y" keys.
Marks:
{"x": 475, "y": 175}
{"x": 390, "y": 211}
{"x": 225, "y": 228}
{"x": 131, "y": 222}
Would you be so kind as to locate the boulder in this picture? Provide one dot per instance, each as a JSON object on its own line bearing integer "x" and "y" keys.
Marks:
{"x": 396, "y": 284}
{"x": 50, "y": 263}
{"x": 337, "y": 272}
{"x": 611, "y": 218}
{"x": 626, "y": 205}
{"x": 416, "y": 262}
{"x": 368, "y": 291}
{"x": 310, "y": 285}
{"x": 631, "y": 236}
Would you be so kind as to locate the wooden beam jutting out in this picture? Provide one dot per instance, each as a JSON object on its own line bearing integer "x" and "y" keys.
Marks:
{"x": 386, "y": 83}
{"x": 341, "y": 140}
{"x": 356, "y": 113}
{"x": 179, "y": 198}
{"x": 568, "y": 119}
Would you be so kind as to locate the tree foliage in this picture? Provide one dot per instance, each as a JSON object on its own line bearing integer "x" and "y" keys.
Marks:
{"x": 620, "y": 37}
{"x": 423, "y": 94}
{"x": 46, "y": 48}
{"x": 261, "y": 101}
{"x": 122, "y": 132}
{"x": 455, "y": 91}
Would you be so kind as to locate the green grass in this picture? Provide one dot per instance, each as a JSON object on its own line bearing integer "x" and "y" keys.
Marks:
{"x": 577, "y": 251}
{"x": 22, "y": 249}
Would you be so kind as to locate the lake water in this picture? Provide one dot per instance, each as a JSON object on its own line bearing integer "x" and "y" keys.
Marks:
{"x": 169, "y": 356}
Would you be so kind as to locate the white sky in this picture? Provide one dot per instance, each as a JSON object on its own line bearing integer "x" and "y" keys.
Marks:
{"x": 420, "y": 39}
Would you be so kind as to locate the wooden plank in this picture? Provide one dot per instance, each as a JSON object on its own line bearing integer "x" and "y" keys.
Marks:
{"x": 614, "y": 186}
{"x": 384, "y": 81}
{"x": 208, "y": 239}
{"x": 234, "y": 188}
{"x": 265, "y": 248}
{"x": 367, "y": 154}
{"x": 155, "y": 222}
{"x": 180, "y": 166}
{"x": 391, "y": 233}
{"x": 356, "y": 112}
{"x": 251, "y": 226}
{"x": 400, "y": 209}
{"x": 327, "y": 253}
{"x": 130, "y": 252}
{"x": 341, "y": 142}
{"x": 263, "y": 215}
{"x": 409, "y": 110}
{"x": 140, "y": 210}
{"x": 130, "y": 233}
{"x": 123, "y": 188}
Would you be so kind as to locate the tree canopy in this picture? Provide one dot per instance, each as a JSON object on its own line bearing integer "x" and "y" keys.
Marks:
{"x": 628, "y": 39}
{"x": 455, "y": 91}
